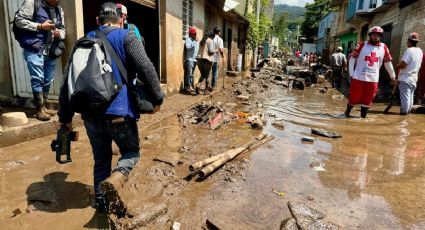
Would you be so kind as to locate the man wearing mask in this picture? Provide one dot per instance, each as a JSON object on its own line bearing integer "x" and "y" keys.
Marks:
{"x": 40, "y": 21}
{"x": 365, "y": 63}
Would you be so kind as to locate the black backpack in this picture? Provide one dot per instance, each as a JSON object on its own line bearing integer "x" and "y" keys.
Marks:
{"x": 15, "y": 29}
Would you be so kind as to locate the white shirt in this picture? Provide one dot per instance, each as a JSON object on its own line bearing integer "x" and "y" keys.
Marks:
{"x": 369, "y": 60}
{"x": 413, "y": 58}
{"x": 218, "y": 44}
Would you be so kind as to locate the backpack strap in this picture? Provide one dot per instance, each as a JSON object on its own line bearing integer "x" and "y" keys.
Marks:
{"x": 111, "y": 51}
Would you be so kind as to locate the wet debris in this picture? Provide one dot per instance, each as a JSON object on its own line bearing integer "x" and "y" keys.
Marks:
{"x": 208, "y": 114}
{"x": 209, "y": 165}
{"x": 289, "y": 224}
{"x": 176, "y": 226}
{"x": 170, "y": 158}
{"x": 305, "y": 217}
{"x": 281, "y": 194}
{"x": 278, "y": 125}
{"x": 16, "y": 212}
{"x": 142, "y": 218}
{"x": 326, "y": 133}
{"x": 307, "y": 139}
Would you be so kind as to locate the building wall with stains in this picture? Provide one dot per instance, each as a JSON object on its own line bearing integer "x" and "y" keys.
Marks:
{"x": 174, "y": 43}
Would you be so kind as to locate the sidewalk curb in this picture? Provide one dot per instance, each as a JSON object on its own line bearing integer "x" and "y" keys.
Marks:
{"x": 13, "y": 136}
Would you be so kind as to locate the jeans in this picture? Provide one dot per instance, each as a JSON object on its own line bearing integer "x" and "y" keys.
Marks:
{"x": 41, "y": 69}
{"x": 214, "y": 74}
{"x": 407, "y": 93}
{"x": 189, "y": 68}
{"x": 101, "y": 133}
{"x": 205, "y": 68}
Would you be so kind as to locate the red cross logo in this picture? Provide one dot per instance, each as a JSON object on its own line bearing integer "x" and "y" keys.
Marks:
{"x": 371, "y": 59}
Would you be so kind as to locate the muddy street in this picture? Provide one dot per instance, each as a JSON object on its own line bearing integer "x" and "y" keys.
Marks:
{"x": 371, "y": 178}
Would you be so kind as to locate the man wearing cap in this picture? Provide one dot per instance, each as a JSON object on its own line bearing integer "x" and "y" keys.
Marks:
{"x": 365, "y": 63}
{"x": 191, "y": 50}
{"x": 338, "y": 65}
{"x": 218, "y": 53}
{"x": 122, "y": 11}
{"x": 408, "y": 70}
{"x": 119, "y": 122}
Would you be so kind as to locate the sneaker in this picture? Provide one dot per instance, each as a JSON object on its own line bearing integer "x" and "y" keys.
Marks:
{"x": 111, "y": 187}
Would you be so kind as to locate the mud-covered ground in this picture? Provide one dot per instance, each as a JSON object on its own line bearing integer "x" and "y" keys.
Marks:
{"x": 371, "y": 178}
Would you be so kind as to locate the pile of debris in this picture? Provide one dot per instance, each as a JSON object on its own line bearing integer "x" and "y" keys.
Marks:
{"x": 207, "y": 114}
{"x": 305, "y": 217}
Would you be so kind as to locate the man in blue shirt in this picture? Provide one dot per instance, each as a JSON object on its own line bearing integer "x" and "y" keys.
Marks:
{"x": 191, "y": 50}
{"x": 119, "y": 122}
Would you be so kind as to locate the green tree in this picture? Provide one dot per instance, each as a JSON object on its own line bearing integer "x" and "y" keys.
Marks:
{"x": 315, "y": 11}
{"x": 258, "y": 32}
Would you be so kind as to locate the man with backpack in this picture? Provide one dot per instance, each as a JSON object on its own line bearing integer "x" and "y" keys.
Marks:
{"x": 36, "y": 26}
{"x": 117, "y": 121}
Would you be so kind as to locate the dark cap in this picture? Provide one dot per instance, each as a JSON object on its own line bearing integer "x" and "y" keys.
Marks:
{"x": 216, "y": 30}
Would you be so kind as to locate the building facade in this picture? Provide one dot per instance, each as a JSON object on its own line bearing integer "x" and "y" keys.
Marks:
{"x": 162, "y": 23}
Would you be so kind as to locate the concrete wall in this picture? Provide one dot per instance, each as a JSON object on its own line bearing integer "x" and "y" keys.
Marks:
{"x": 5, "y": 74}
{"x": 412, "y": 19}
{"x": 391, "y": 16}
{"x": 174, "y": 44}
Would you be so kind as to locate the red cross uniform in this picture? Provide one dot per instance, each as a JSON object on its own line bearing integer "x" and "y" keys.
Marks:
{"x": 364, "y": 84}
{"x": 369, "y": 60}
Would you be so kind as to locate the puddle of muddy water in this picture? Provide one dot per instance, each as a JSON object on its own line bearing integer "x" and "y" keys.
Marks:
{"x": 373, "y": 176}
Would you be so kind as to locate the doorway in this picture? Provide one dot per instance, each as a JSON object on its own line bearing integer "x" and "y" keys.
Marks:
{"x": 145, "y": 18}
{"x": 229, "y": 49}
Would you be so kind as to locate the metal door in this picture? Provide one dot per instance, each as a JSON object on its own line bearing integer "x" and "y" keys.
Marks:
{"x": 20, "y": 76}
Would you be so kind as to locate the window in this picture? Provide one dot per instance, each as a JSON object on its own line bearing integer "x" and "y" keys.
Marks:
{"x": 360, "y": 5}
{"x": 372, "y": 4}
{"x": 187, "y": 16}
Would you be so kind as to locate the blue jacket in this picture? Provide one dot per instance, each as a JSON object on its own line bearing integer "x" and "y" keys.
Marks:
{"x": 121, "y": 105}
{"x": 36, "y": 41}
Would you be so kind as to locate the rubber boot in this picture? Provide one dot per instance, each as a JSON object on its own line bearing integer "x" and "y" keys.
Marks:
{"x": 112, "y": 186}
{"x": 38, "y": 101}
{"x": 363, "y": 111}
{"x": 48, "y": 111}
{"x": 348, "y": 110}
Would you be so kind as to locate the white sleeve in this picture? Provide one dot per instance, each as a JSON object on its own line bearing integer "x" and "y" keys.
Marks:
{"x": 390, "y": 69}
{"x": 351, "y": 65}
{"x": 221, "y": 44}
{"x": 407, "y": 56}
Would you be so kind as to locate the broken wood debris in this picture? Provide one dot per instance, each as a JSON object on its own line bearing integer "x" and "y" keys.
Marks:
{"x": 209, "y": 165}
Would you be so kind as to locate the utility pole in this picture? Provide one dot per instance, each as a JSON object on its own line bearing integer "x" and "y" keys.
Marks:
{"x": 258, "y": 22}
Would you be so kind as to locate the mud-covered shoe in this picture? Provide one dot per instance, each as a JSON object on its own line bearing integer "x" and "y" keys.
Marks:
{"x": 112, "y": 186}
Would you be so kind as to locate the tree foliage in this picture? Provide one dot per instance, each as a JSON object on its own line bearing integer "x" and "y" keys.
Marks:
{"x": 315, "y": 11}
{"x": 258, "y": 32}
{"x": 285, "y": 23}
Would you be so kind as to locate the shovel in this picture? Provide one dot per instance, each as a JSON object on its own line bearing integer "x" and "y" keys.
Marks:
{"x": 391, "y": 99}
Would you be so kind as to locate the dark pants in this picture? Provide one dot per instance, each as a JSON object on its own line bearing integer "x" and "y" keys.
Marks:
{"x": 101, "y": 133}
{"x": 337, "y": 74}
{"x": 205, "y": 68}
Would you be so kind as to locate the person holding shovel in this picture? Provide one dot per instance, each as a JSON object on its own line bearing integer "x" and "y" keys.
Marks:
{"x": 205, "y": 59}
{"x": 408, "y": 76}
